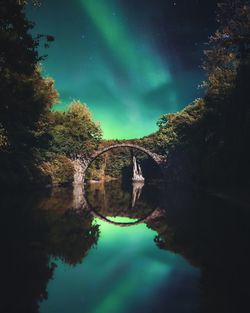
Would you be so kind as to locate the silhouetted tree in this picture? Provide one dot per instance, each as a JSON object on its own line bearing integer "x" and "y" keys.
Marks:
{"x": 26, "y": 96}
{"x": 209, "y": 139}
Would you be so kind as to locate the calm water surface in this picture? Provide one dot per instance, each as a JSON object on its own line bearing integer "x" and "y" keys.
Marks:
{"x": 113, "y": 248}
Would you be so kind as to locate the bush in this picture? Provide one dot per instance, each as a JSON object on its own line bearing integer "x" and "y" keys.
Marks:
{"x": 60, "y": 169}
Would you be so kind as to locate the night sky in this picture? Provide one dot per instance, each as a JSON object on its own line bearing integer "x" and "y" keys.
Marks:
{"x": 129, "y": 60}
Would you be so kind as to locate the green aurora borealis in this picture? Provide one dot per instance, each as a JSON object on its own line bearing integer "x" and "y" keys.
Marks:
{"x": 109, "y": 57}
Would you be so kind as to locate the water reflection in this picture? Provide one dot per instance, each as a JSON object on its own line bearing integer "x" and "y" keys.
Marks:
{"x": 188, "y": 252}
{"x": 123, "y": 205}
{"x": 136, "y": 193}
{"x": 214, "y": 235}
{"x": 31, "y": 233}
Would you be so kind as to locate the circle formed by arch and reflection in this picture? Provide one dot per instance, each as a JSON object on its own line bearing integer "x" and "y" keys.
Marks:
{"x": 158, "y": 159}
{"x": 111, "y": 200}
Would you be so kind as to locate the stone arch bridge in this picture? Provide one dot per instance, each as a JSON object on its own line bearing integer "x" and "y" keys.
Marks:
{"x": 82, "y": 164}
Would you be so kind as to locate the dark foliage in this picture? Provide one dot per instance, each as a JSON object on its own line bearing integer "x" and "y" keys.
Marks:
{"x": 208, "y": 141}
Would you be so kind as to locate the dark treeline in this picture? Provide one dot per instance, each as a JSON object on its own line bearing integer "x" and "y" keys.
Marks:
{"x": 208, "y": 141}
{"x": 36, "y": 144}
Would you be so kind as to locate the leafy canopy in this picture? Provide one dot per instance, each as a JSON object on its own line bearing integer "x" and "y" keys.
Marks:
{"x": 74, "y": 132}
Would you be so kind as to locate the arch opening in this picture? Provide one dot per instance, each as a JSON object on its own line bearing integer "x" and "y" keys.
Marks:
{"x": 155, "y": 159}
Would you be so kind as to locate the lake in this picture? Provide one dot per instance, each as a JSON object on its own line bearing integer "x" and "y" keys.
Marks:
{"x": 118, "y": 248}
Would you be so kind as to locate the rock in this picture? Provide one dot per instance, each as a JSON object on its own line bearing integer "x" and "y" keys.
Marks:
{"x": 78, "y": 172}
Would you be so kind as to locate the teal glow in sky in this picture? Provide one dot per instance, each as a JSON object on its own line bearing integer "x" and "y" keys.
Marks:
{"x": 109, "y": 57}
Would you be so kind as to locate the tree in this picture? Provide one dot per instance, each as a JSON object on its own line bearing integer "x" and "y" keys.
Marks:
{"x": 25, "y": 94}
{"x": 26, "y": 97}
{"x": 228, "y": 49}
{"x": 211, "y": 136}
{"x": 74, "y": 132}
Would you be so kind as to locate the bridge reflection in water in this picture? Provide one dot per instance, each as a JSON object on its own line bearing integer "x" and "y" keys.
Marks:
{"x": 200, "y": 266}
{"x": 112, "y": 202}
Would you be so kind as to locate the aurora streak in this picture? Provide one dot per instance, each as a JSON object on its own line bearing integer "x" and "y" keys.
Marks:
{"x": 109, "y": 57}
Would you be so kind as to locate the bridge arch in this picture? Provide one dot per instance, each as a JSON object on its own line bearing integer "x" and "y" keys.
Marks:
{"x": 159, "y": 159}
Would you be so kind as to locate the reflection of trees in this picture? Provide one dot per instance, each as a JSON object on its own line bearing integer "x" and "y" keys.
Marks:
{"x": 30, "y": 236}
{"x": 209, "y": 232}
{"x": 215, "y": 236}
{"x": 59, "y": 199}
{"x": 71, "y": 235}
{"x": 26, "y": 272}
{"x": 112, "y": 199}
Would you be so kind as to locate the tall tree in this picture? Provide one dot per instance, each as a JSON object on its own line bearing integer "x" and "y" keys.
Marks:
{"x": 25, "y": 94}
